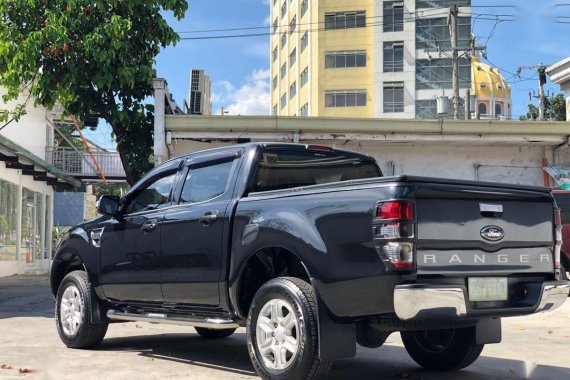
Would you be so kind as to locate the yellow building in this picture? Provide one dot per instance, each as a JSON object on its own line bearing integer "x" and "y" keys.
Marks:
{"x": 321, "y": 63}
{"x": 493, "y": 93}
{"x": 365, "y": 58}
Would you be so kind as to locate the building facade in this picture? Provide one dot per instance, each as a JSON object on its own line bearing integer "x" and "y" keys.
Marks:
{"x": 200, "y": 93}
{"x": 27, "y": 186}
{"x": 492, "y": 92}
{"x": 365, "y": 58}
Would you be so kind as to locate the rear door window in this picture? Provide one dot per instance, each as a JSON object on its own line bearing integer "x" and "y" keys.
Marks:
{"x": 207, "y": 182}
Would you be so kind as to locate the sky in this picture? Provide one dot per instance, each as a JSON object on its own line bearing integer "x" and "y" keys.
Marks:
{"x": 239, "y": 67}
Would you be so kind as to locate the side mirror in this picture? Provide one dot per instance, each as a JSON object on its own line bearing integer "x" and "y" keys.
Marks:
{"x": 108, "y": 205}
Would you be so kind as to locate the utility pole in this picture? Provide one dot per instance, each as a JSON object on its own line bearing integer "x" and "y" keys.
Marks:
{"x": 453, "y": 16}
{"x": 541, "y": 83}
{"x": 541, "y": 70}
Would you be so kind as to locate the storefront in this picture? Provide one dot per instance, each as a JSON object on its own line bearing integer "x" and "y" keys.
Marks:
{"x": 26, "y": 209}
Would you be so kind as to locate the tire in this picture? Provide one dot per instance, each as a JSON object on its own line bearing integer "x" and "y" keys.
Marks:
{"x": 290, "y": 304}
{"x": 214, "y": 334}
{"x": 77, "y": 331}
{"x": 442, "y": 350}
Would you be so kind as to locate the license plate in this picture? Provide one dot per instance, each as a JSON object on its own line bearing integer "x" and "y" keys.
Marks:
{"x": 488, "y": 289}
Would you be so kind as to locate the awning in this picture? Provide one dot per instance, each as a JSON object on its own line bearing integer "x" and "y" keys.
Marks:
{"x": 17, "y": 157}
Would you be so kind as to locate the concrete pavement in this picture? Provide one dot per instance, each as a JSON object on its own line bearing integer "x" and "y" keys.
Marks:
{"x": 535, "y": 347}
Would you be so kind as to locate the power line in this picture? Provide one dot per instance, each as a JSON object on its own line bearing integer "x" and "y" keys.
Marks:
{"x": 278, "y": 30}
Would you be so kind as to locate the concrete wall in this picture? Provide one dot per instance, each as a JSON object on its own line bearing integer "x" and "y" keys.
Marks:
{"x": 496, "y": 163}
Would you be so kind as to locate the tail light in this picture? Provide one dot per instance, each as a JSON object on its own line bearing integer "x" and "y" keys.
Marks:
{"x": 393, "y": 230}
{"x": 557, "y": 237}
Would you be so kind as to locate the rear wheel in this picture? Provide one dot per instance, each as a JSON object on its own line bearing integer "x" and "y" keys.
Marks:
{"x": 442, "y": 350}
{"x": 214, "y": 334}
{"x": 73, "y": 313}
{"x": 282, "y": 335}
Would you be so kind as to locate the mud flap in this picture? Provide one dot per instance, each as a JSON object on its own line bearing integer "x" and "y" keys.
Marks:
{"x": 336, "y": 340}
{"x": 488, "y": 331}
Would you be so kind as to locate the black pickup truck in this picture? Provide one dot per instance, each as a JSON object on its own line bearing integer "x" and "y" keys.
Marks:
{"x": 313, "y": 251}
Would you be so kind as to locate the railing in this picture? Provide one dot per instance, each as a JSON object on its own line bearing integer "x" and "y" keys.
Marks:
{"x": 80, "y": 164}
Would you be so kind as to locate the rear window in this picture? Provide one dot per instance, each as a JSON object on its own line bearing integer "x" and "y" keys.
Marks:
{"x": 288, "y": 169}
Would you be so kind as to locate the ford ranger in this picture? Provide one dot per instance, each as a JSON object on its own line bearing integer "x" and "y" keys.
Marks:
{"x": 313, "y": 251}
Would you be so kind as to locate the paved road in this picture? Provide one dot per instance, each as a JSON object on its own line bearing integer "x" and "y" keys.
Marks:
{"x": 536, "y": 347}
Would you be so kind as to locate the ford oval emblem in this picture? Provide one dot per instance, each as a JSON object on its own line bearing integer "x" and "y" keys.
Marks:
{"x": 492, "y": 233}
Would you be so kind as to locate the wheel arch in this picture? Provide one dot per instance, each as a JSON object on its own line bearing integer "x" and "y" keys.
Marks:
{"x": 261, "y": 266}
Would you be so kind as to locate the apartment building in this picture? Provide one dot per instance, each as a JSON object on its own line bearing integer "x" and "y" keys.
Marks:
{"x": 365, "y": 58}
{"x": 200, "y": 93}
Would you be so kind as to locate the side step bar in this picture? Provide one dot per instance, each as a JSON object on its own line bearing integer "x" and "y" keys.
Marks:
{"x": 208, "y": 323}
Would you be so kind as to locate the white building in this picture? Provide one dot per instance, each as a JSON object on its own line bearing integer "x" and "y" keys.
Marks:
{"x": 27, "y": 184}
{"x": 200, "y": 93}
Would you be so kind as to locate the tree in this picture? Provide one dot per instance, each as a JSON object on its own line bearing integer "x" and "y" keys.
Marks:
{"x": 94, "y": 58}
{"x": 554, "y": 109}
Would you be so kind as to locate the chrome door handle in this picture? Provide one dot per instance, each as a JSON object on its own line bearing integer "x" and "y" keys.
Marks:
{"x": 149, "y": 225}
{"x": 209, "y": 217}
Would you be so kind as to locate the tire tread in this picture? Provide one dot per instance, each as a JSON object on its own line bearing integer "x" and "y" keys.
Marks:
{"x": 90, "y": 335}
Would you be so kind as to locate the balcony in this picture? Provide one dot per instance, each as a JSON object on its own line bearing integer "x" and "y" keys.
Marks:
{"x": 80, "y": 165}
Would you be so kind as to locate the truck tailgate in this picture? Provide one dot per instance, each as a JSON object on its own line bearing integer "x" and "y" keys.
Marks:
{"x": 469, "y": 228}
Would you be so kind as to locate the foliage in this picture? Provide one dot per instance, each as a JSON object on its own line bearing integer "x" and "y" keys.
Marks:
{"x": 118, "y": 189}
{"x": 554, "y": 109}
{"x": 94, "y": 58}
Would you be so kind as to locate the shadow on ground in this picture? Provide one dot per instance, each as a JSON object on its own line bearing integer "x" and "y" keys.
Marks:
{"x": 25, "y": 296}
{"x": 388, "y": 362}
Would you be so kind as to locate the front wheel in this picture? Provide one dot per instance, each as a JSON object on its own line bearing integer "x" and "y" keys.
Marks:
{"x": 282, "y": 334}
{"x": 73, "y": 313}
{"x": 442, "y": 350}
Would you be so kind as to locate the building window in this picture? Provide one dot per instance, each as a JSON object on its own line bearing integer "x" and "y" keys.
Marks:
{"x": 274, "y": 111}
{"x": 393, "y": 57}
{"x": 433, "y": 33}
{"x": 304, "y": 77}
{"x": 9, "y": 221}
{"x": 293, "y": 90}
{"x": 482, "y": 109}
{"x": 304, "y": 7}
{"x": 498, "y": 109}
{"x": 293, "y": 57}
{"x": 283, "y": 70}
{"x": 283, "y": 40}
{"x": 393, "y": 97}
{"x": 304, "y": 41}
{"x": 393, "y": 16}
{"x": 275, "y": 82}
{"x": 274, "y": 54}
{"x": 423, "y": 4}
{"x": 32, "y": 231}
{"x": 436, "y": 74}
{"x": 304, "y": 110}
{"x": 275, "y": 25}
{"x": 284, "y": 9}
{"x": 345, "y": 20}
{"x": 345, "y": 98}
{"x": 343, "y": 59}
{"x": 283, "y": 100}
{"x": 293, "y": 25}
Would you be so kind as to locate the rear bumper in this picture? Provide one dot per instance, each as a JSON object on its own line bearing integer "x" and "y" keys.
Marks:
{"x": 415, "y": 302}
